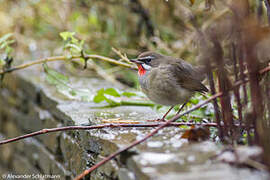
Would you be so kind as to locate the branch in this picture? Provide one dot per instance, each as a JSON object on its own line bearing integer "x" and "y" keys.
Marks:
{"x": 69, "y": 128}
{"x": 264, "y": 70}
{"x": 64, "y": 58}
{"x": 122, "y": 56}
{"x": 267, "y": 4}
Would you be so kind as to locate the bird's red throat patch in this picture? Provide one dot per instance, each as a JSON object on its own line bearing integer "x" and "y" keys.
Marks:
{"x": 141, "y": 71}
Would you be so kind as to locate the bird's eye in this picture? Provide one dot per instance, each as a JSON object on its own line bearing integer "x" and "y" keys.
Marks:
{"x": 148, "y": 60}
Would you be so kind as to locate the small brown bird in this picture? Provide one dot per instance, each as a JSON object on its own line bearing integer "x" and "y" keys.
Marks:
{"x": 167, "y": 80}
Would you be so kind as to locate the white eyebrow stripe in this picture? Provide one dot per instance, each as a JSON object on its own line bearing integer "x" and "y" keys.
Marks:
{"x": 149, "y": 57}
{"x": 146, "y": 57}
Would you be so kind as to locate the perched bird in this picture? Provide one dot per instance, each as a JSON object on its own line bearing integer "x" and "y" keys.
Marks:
{"x": 167, "y": 80}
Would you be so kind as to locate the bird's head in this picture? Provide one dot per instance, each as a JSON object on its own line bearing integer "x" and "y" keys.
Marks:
{"x": 146, "y": 61}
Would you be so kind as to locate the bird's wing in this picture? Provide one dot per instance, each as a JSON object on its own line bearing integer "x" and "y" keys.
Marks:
{"x": 187, "y": 76}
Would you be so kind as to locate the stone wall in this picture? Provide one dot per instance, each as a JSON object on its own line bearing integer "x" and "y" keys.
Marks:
{"x": 28, "y": 104}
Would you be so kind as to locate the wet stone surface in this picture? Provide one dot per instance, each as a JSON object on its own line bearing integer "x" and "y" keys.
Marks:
{"x": 38, "y": 105}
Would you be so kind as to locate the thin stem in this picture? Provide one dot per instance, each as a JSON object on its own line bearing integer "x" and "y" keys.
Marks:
{"x": 64, "y": 58}
{"x": 267, "y": 4}
{"x": 124, "y": 57}
{"x": 164, "y": 116}
{"x": 136, "y": 103}
{"x": 69, "y": 128}
{"x": 181, "y": 108}
{"x": 264, "y": 70}
{"x": 236, "y": 90}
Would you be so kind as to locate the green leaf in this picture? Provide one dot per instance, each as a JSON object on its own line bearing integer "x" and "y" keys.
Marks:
{"x": 81, "y": 44}
{"x": 101, "y": 91}
{"x": 194, "y": 101}
{"x": 111, "y": 102}
{"x": 112, "y": 92}
{"x": 2, "y": 62}
{"x": 197, "y": 113}
{"x": 73, "y": 92}
{"x": 72, "y": 43}
{"x": 51, "y": 80}
{"x": 54, "y": 77}
{"x": 100, "y": 96}
{"x": 74, "y": 47}
{"x": 129, "y": 94}
{"x": 6, "y": 43}
{"x": 8, "y": 50}
{"x": 5, "y": 37}
{"x": 184, "y": 127}
{"x": 67, "y": 35}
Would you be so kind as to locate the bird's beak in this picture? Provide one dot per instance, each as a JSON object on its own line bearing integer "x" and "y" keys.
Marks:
{"x": 137, "y": 61}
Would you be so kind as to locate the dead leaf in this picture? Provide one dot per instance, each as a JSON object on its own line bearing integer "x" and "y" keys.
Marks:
{"x": 200, "y": 133}
{"x": 191, "y": 2}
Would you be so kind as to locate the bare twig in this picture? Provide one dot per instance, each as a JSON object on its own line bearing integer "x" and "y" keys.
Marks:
{"x": 64, "y": 58}
{"x": 100, "y": 126}
{"x": 215, "y": 103}
{"x": 264, "y": 70}
{"x": 267, "y": 4}
{"x": 236, "y": 90}
{"x": 122, "y": 56}
{"x": 260, "y": 11}
{"x": 224, "y": 86}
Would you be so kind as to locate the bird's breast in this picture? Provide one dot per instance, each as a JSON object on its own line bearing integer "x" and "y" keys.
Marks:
{"x": 161, "y": 88}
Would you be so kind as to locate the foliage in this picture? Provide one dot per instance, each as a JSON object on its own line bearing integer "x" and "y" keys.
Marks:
{"x": 115, "y": 98}
{"x": 6, "y": 49}
{"x": 63, "y": 86}
{"x": 72, "y": 44}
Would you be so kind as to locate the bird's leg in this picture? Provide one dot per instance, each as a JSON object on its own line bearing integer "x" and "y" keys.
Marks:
{"x": 164, "y": 116}
{"x": 183, "y": 105}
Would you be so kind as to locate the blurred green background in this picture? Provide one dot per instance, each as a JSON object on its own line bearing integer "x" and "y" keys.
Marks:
{"x": 103, "y": 24}
{"x": 131, "y": 26}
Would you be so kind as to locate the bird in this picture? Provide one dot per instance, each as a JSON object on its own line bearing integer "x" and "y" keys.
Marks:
{"x": 168, "y": 80}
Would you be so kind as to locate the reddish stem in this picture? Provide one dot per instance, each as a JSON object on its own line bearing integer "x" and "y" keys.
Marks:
{"x": 68, "y": 128}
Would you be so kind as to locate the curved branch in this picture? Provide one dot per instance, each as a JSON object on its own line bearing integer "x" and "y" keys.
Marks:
{"x": 64, "y": 58}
